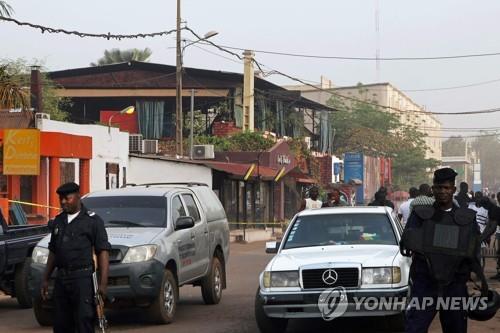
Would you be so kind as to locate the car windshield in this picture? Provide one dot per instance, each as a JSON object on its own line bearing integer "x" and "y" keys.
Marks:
{"x": 129, "y": 211}
{"x": 340, "y": 229}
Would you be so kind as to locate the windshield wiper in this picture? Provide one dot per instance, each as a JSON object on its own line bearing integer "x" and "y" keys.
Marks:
{"x": 125, "y": 223}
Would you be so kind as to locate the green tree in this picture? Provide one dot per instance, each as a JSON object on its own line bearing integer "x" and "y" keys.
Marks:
{"x": 454, "y": 146}
{"x": 5, "y": 9}
{"x": 114, "y": 56}
{"x": 17, "y": 74}
{"x": 12, "y": 93}
{"x": 363, "y": 127}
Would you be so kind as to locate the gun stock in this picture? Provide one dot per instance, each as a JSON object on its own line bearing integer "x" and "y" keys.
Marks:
{"x": 99, "y": 303}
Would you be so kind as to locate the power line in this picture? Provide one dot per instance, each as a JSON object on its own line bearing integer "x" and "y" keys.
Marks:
{"x": 302, "y": 55}
{"x": 107, "y": 36}
{"x": 453, "y": 87}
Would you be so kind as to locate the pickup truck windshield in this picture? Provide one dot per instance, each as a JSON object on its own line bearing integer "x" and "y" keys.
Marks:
{"x": 129, "y": 211}
{"x": 340, "y": 229}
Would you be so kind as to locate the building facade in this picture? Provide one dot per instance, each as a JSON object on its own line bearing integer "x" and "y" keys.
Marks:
{"x": 390, "y": 98}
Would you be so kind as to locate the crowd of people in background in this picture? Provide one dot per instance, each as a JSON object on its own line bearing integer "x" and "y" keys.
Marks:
{"x": 486, "y": 207}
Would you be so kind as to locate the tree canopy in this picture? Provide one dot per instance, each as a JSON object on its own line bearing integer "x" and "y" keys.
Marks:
{"x": 14, "y": 89}
{"x": 364, "y": 127}
{"x": 454, "y": 146}
{"x": 115, "y": 56}
{"x": 5, "y": 9}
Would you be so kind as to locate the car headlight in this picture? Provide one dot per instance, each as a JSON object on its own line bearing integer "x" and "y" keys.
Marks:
{"x": 139, "y": 253}
{"x": 381, "y": 275}
{"x": 40, "y": 255}
{"x": 281, "y": 279}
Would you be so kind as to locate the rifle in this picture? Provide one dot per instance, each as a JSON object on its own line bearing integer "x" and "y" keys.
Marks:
{"x": 99, "y": 304}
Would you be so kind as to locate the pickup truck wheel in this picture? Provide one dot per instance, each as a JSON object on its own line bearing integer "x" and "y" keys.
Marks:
{"x": 21, "y": 287}
{"x": 267, "y": 324}
{"x": 211, "y": 285}
{"x": 43, "y": 316}
{"x": 162, "y": 311}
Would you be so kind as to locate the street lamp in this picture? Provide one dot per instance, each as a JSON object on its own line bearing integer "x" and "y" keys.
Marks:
{"x": 178, "y": 95}
{"x": 127, "y": 110}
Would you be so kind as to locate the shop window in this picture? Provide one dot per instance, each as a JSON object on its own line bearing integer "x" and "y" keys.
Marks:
{"x": 27, "y": 192}
{"x": 67, "y": 170}
{"x": 112, "y": 176}
{"x": 3, "y": 185}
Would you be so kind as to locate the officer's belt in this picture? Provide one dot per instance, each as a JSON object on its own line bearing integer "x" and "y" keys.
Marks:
{"x": 72, "y": 271}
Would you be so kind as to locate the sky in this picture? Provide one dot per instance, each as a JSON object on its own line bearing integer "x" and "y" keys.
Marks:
{"x": 323, "y": 27}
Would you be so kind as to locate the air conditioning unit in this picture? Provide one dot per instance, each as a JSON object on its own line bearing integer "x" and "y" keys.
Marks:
{"x": 150, "y": 146}
{"x": 203, "y": 152}
{"x": 135, "y": 143}
{"x": 38, "y": 118}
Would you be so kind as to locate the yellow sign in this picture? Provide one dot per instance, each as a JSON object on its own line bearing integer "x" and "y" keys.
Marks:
{"x": 21, "y": 152}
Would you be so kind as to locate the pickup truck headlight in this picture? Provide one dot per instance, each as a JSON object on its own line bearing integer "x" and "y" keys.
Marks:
{"x": 381, "y": 275}
{"x": 139, "y": 253}
{"x": 40, "y": 255}
{"x": 281, "y": 279}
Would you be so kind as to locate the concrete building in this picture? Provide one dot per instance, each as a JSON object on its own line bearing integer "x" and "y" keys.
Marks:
{"x": 389, "y": 97}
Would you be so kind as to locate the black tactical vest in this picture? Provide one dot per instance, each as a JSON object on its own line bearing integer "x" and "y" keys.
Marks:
{"x": 444, "y": 239}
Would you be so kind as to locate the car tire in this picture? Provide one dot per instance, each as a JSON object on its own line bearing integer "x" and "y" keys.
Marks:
{"x": 43, "y": 316}
{"x": 267, "y": 324}
{"x": 21, "y": 287}
{"x": 211, "y": 285}
{"x": 394, "y": 323}
{"x": 162, "y": 311}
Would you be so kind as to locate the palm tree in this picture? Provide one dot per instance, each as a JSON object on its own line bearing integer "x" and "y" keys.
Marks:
{"x": 5, "y": 9}
{"x": 114, "y": 56}
{"x": 12, "y": 93}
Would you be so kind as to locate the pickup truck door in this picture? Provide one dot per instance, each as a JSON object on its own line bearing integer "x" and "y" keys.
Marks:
{"x": 202, "y": 256}
{"x": 185, "y": 242}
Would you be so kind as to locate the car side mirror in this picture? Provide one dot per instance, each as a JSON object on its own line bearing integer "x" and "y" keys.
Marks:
{"x": 272, "y": 247}
{"x": 184, "y": 222}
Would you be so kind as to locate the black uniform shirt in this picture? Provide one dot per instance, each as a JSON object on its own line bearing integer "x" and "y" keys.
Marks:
{"x": 72, "y": 243}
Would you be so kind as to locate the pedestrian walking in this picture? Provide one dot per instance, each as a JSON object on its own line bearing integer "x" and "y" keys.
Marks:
{"x": 463, "y": 197}
{"x": 334, "y": 199}
{"x": 380, "y": 200}
{"x": 424, "y": 198}
{"x": 312, "y": 202}
{"x": 76, "y": 233}
{"x": 497, "y": 241}
{"x": 404, "y": 209}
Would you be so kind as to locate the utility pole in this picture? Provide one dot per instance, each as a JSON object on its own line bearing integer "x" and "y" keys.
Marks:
{"x": 192, "y": 126}
{"x": 248, "y": 91}
{"x": 178, "y": 90}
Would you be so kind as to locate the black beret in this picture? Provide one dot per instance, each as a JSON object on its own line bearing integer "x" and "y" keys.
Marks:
{"x": 444, "y": 174}
{"x": 68, "y": 188}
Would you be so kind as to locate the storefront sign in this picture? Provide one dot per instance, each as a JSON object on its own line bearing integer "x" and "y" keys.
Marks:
{"x": 284, "y": 160}
{"x": 21, "y": 152}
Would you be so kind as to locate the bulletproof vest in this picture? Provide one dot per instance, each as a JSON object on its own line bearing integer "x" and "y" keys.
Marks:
{"x": 444, "y": 239}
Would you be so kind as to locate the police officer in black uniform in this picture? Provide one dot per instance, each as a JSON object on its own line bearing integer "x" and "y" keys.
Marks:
{"x": 435, "y": 274}
{"x": 76, "y": 234}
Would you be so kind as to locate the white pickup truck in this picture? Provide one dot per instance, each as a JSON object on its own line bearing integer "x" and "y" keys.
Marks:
{"x": 353, "y": 248}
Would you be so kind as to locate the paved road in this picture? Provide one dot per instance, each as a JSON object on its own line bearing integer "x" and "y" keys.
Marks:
{"x": 233, "y": 314}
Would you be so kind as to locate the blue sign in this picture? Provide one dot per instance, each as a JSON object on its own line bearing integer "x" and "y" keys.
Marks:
{"x": 354, "y": 169}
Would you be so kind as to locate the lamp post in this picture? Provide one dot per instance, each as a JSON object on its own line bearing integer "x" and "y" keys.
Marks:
{"x": 178, "y": 91}
{"x": 127, "y": 110}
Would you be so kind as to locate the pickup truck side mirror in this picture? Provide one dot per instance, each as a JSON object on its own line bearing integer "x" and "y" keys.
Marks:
{"x": 272, "y": 247}
{"x": 184, "y": 222}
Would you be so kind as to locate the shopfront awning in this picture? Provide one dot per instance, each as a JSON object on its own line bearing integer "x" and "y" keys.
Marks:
{"x": 238, "y": 170}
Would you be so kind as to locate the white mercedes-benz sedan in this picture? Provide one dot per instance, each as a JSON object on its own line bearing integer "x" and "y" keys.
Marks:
{"x": 335, "y": 262}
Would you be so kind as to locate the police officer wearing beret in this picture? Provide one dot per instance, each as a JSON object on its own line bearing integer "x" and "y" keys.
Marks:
{"x": 76, "y": 234}
{"x": 434, "y": 274}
